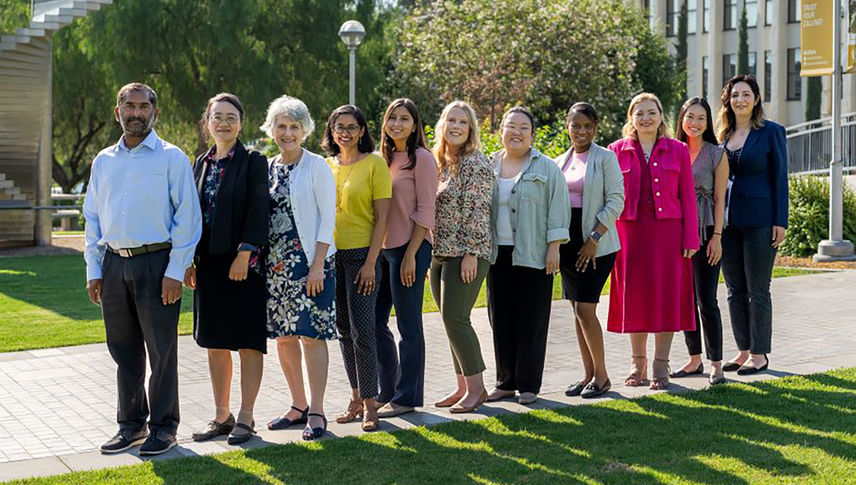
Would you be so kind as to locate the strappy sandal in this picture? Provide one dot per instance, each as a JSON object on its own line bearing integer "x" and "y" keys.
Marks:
{"x": 370, "y": 420}
{"x": 660, "y": 370}
{"x": 353, "y": 413}
{"x": 636, "y": 379}
{"x": 310, "y": 433}
{"x": 282, "y": 422}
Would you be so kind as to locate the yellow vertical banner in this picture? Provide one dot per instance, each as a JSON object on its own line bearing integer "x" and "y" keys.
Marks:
{"x": 816, "y": 43}
{"x": 851, "y": 36}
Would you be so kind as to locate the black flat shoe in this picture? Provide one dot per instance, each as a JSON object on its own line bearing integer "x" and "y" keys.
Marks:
{"x": 238, "y": 438}
{"x": 747, "y": 371}
{"x": 575, "y": 389}
{"x": 731, "y": 367}
{"x": 683, "y": 373}
{"x": 214, "y": 429}
{"x": 310, "y": 434}
{"x": 592, "y": 390}
{"x": 282, "y": 422}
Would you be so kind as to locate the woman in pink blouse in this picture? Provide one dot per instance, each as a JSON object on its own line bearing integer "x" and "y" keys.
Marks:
{"x": 406, "y": 258}
{"x": 652, "y": 281}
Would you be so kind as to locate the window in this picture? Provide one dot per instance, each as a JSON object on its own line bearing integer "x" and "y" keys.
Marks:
{"x": 705, "y": 73}
{"x": 673, "y": 11}
{"x": 705, "y": 16}
{"x": 794, "y": 11}
{"x": 768, "y": 12}
{"x": 753, "y": 64}
{"x": 768, "y": 74}
{"x": 692, "y": 16}
{"x": 729, "y": 67}
{"x": 751, "y": 7}
{"x": 730, "y": 17}
{"x": 794, "y": 80}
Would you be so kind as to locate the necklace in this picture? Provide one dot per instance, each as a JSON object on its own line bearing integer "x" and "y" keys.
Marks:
{"x": 340, "y": 184}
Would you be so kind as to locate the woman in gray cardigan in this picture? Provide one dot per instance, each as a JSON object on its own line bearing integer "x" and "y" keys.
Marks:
{"x": 596, "y": 192}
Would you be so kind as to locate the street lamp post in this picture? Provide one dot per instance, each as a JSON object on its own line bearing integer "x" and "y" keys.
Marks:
{"x": 352, "y": 33}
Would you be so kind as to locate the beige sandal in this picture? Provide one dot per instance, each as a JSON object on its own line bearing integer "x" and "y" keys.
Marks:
{"x": 354, "y": 412}
{"x": 637, "y": 372}
{"x": 661, "y": 370}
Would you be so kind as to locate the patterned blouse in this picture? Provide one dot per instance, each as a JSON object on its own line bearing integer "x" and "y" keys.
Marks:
{"x": 216, "y": 169}
{"x": 704, "y": 166}
{"x": 462, "y": 222}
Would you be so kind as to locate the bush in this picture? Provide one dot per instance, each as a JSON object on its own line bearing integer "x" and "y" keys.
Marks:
{"x": 551, "y": 140}
{"x": 808, "y": 215}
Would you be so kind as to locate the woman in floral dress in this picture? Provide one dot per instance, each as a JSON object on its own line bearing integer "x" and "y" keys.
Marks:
{"x": 301, "y": 276}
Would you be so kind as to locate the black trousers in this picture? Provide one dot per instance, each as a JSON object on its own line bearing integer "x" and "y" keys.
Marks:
{"x": 136, "y": 322}
{"x": 518, "y": 306}
{"x": 708, "y": 317}
{"x": 747, "y": 265}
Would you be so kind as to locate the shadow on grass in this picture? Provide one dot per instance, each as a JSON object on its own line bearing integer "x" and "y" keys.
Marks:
{"x": 784, "y": 431}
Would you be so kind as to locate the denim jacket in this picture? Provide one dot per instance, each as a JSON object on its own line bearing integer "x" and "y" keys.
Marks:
{"x": 540, "y": 209}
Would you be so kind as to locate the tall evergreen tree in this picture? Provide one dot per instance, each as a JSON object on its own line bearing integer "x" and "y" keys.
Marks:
{"x": 743, "y": 44}
{"x": 814, "y": 98}
{"x": 681, "y": 49}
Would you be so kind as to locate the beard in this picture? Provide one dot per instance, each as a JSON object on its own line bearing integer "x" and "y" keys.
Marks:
{"x": 137, "y": 127}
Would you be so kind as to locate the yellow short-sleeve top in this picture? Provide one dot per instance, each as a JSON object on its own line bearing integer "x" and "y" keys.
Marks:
{"x": 357, "y": 187}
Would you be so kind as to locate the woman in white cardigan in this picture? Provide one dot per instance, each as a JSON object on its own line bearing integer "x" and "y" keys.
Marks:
{"x": 596, "y": 192}
{"x": 299, "y": 263}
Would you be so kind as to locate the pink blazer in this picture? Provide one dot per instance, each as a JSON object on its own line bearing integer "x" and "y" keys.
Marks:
{"x": 671, "y": 183}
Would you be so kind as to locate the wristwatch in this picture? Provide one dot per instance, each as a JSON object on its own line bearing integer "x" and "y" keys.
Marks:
{"x": 595, "y": 236}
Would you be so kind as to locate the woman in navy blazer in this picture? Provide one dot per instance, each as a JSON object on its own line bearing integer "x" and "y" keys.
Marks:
{"x": 756, "y": 217}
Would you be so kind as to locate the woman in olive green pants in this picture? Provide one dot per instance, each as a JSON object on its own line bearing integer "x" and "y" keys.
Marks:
{"x": 462, "y": 246}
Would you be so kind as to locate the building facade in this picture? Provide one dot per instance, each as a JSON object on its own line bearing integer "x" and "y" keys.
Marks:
{"x": 774, "y": 51}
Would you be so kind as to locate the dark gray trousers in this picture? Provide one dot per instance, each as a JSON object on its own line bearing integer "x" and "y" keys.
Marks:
{"x": 136, "y": 321}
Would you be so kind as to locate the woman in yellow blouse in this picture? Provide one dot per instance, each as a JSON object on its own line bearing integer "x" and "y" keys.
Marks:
{"x": 363, "y": 192}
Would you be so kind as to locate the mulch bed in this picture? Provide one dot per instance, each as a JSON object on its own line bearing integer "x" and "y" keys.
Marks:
{"x": 796, "y": 262}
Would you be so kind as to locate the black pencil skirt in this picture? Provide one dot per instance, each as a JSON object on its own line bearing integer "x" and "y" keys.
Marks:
{"x": 582, "y": 286}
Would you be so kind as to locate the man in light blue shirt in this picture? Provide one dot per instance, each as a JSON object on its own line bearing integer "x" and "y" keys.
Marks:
{"x": 142, "y": 225}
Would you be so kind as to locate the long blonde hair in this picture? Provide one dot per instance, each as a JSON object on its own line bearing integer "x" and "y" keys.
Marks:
{"x": 629, "y": 131}
{"x": 472, "y": 144}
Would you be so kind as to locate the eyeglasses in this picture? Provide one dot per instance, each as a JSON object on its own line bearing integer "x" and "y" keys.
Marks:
{"x": 351, "y": 129}
{"x": 230, "y": 120}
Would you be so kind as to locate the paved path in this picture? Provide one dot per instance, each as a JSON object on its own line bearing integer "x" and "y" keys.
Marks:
{"x": 58, "y": 405}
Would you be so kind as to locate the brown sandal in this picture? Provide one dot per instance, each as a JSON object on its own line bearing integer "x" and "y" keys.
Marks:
{"x": 636, "y": 377}
{"x": 660, "y": 370}
{"x": 354, "y": 412}
{"x": 370, "y": 420}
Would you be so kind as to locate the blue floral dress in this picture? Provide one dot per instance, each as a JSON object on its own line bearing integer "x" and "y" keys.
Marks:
{"x": 290, "y": 311}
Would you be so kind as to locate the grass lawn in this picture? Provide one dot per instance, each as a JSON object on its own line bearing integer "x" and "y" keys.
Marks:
{"x": 43, "y": 303}
{"x": 791, "y": 430}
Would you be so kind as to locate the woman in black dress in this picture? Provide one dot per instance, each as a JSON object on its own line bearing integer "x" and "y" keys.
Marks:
{"x": 229, "y": 304}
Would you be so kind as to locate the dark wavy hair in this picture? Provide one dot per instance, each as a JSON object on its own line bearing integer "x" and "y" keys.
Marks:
{"x": 708, "y": 135}
{"x": 364, "y": 145}
{"x": 727, "y": 119}
{"x": 414, "y": 141}
{"x": 585, "y": 109}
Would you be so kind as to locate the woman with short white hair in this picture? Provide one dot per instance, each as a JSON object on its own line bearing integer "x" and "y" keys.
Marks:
{"x": 301, "y": 277}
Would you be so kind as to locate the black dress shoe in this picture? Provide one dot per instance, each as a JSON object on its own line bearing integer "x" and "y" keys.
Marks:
{"x": 731, "y": 367}
{"x": 214, "y": 429}
{"x": 282, "y": 422}
{"x": 157, "y": 443}
{"x": 123, "y": 440}
{"x": 683, "y": 373}
{"x": 575, "y": 389}
{"x": 593, "y": 390}
{"x": 748, "y": 370}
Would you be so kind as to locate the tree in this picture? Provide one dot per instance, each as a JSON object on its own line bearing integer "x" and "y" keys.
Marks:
{"x": 545, "y": 54}
{"x": 14, "y": 14}
{"x": 681, "y": 49}
{"x": 813, "y": 98}
{"x": 743, "y": 44}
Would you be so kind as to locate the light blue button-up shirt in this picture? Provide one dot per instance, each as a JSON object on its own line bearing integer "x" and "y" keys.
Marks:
{"x": 142, "y": 195}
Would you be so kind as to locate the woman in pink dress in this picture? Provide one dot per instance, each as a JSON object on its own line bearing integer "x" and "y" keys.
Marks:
{"x": 652, "y": 280}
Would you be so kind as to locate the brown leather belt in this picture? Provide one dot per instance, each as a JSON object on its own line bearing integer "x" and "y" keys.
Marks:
{"x": 144, "y": 249}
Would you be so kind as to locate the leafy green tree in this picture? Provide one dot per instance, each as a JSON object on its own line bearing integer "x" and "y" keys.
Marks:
{"x": 743, "y": 44}
{"x": 14, "y": 14}
{"x": 681, "y": 48}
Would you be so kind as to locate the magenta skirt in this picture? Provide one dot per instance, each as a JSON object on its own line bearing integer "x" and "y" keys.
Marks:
{"x": 651, "y": 288}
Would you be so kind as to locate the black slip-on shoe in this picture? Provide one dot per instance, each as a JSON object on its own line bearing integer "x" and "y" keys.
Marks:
{"x": 214, "y": 429}
{"x": 575, "y": 389}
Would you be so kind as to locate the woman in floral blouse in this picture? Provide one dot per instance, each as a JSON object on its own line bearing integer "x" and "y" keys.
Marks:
{"x": 462, "y": 246}
{"x": 301, "y": 275}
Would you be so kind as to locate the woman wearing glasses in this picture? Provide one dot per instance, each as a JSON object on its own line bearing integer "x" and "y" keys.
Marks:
{"x": 230, "y": 298}
{"x": 363, "y": 192}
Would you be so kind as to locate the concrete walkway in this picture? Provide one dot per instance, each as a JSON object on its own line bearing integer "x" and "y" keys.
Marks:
{"x": 58, "y": 405}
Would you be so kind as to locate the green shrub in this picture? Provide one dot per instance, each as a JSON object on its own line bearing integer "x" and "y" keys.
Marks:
{"x": 551, "y": 140}
{"x": 808, "y": 217}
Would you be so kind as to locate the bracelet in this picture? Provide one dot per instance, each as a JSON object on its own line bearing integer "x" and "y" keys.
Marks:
{"x": 717, "y": 234}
